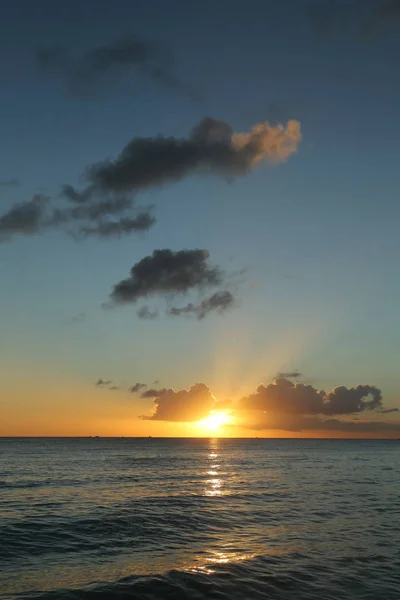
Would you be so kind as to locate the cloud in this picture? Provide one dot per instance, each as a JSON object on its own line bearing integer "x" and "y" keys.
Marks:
{"x": 152, "y": 393}
{"x": 25, "y": 218}
{"x": 302, "y": 423}
{"x": 388, "y": 12}
{"x": 10, "y": 182}
{"x": 182, "y": 406}
{"x": 289, "y": 375}
{"x": 212, "y": 147}
{"x": 134, "y": 389}
{"x": 123, "y": 226}
{"x": 165, "y": 273}
{"x": 363, "y": 19}
{"x": 79, "y": 318}
{"x": 98, "y": 68}
{"x": 81, "y": 214}
{"x": 287, "y": 406}
{"x": 102, "y": 382}
{"x": 220, "y": 302}
{"x": 386, "y": 411}
{"x": 145, "y": 313}
{"x": 284, "y": 396}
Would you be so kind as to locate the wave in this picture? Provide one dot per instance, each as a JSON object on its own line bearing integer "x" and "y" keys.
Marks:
{"x": 292, "y": 576}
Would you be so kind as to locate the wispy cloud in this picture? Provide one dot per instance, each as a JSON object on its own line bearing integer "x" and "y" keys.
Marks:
{"x": 362, "y": 19}
{"x": 92, "y": 214}
{"x": 99, "y": 69}
{"x": 13, "y": 182}
{"x": 137, "y": 387}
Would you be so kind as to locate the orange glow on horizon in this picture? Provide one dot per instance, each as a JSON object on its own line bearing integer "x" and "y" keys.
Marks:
{"x": 215, "y": 421}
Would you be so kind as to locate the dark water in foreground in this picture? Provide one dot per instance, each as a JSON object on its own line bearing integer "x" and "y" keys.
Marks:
{"x": 281, "y": 519}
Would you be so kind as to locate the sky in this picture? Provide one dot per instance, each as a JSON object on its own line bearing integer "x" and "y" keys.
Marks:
{"x": 200, "y": 198}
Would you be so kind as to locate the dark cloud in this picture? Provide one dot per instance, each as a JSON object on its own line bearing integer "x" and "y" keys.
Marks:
{"x": 123, "y": 226}
{"x": 284, "y": 396}
{"x": 363, "y": 19}
{"x": 289, "y": 375}
{"x": 134, "y": 389}
{"x": 114, "y": 388}
{"x": 296, "y": 423}
{"x": 165, "y": 273}
{"x": 183, "y": 406}
{"x": 10, "y": 182}
{"x": 102, "y": 383}
{"x": 386, "y": 411}
{"x": 152, "y": 393}
{"x": 145, "y": 313}
{"x": 220, "y": 301}
{"x": 95, "y": 70}
{"x": 387, "y": 13}
{"x": 211, "y": 147}
{"x": 81, "y": 214}
{"x": 25, "y": 218}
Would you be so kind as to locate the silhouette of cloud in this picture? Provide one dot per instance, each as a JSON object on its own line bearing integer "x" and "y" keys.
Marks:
{"x": 289, "y": 375}
{"x": 386, "y": 411}
{"x": 89, "y": 213}
{"x": 134, "y": 389}
{"x": 211, "y": 147}
{"x": 166, "y": 273}
{"x": 284, "y": 396}
{"x": 25, "y": 218}
{"x": 220, "y": 302}
{"x": 152, "y": 393}
{"x": 182, "y": 406}
{"x": 282, "y": 405}
{"x": 300, "y": 423}
{"x": 10, "y": 182}
{"x": 103, "y": 383}
{"x": 97, "y": 69}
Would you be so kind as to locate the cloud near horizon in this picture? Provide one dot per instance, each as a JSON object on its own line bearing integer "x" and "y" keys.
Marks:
{"x": 98, "y": 69}
{"x": 281, "y": 405}
{"x": 284, "y": 396}
{"x": 166, "y": 274}
{"x": 182, "y": 406}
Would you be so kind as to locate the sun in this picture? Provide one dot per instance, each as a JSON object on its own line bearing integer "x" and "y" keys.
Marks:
{"x": 215, "y": 421}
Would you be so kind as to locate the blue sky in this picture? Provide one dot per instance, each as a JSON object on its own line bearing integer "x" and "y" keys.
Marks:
{"x": 318, "y": 234}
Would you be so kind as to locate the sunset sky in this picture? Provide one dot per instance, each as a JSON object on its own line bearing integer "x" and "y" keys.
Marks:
{"x": 201, "y": 198}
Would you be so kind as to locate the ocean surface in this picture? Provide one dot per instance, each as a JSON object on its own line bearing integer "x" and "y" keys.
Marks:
{"x": 104, "y": 519}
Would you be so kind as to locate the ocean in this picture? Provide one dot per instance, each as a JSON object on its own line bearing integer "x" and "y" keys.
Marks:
{"x": 105, "y": 519}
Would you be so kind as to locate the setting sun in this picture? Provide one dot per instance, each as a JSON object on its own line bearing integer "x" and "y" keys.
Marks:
{"x": 215, "y": 421}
